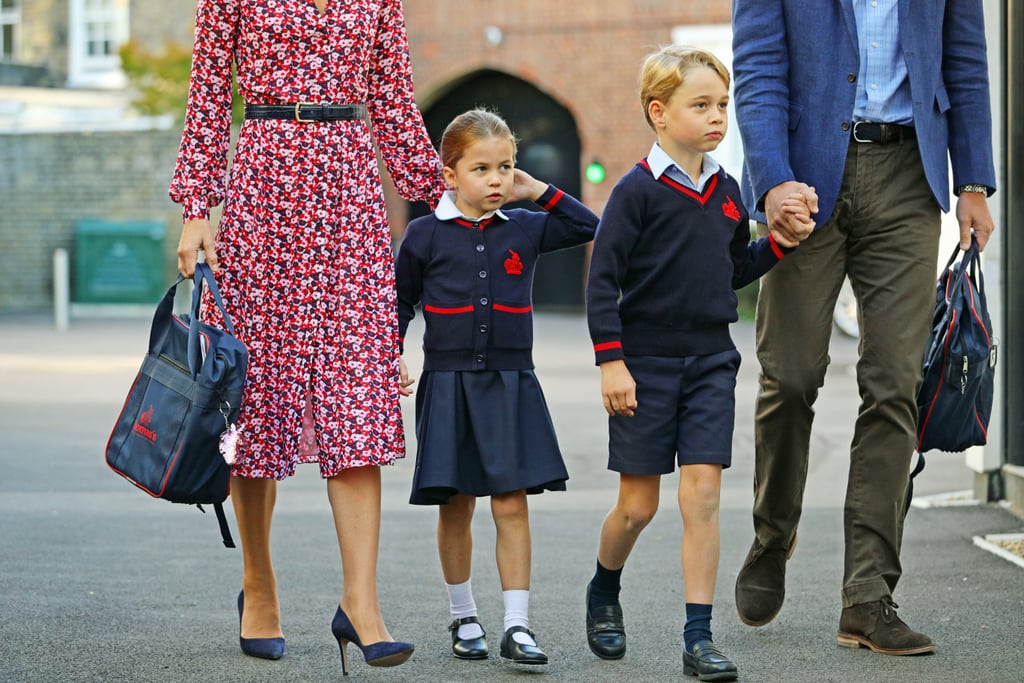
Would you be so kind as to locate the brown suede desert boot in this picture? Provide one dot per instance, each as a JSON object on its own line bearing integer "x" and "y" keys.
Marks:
{"x": 761, "y": 583}
{"x": 875, "y": 625}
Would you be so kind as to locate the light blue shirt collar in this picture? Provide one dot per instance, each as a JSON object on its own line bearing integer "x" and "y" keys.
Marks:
{"x": 662, "y": 164}
{"x": 447, "y": 210}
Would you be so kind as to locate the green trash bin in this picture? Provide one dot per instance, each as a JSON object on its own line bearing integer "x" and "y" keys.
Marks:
{"x": 119, "y": 262}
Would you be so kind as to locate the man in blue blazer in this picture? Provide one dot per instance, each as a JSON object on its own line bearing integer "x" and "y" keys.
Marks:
{"x": 865, "y": 102}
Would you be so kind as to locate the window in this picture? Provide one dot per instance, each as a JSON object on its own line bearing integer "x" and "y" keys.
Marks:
{"x": 10, "y": 17}
{"x": 98, "y": 29}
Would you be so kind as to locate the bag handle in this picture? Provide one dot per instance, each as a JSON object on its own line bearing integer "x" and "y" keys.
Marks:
{"x": 203, "y": 276}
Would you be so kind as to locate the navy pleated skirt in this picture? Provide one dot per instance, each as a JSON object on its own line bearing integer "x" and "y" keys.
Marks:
{"x": 481, "y": 434}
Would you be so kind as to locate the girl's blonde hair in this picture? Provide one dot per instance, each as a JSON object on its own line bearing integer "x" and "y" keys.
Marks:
{"x": 468, "y": 128}
{"x": 665, "y": 70}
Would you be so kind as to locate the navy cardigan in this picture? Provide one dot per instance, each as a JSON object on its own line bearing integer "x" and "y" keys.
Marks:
{"x": 665, "y": 264}
{"x": 474, "y": 280}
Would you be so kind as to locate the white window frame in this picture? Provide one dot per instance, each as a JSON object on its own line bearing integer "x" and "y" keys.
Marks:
{"x": 108, "y": 18}
{"x": 10, "y": 17}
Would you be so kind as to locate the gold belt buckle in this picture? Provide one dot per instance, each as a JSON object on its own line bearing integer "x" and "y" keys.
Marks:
{"x": 298, "y": 117}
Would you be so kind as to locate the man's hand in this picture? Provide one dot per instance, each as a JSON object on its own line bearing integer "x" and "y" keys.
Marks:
{"x": 972, "y": 213}
{"x": 196, "y": 236}
{"x": 618, "y": 388}
{"x": 793, "y": 226}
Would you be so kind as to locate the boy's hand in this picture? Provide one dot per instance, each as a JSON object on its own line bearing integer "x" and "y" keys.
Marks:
{"x": 525, "y": 186}
{"x": 618, "y": 388}
{"x": 403, "y": 379}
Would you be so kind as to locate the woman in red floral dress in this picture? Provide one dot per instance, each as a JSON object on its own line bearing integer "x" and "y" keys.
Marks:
{"x": 303, "y": 258}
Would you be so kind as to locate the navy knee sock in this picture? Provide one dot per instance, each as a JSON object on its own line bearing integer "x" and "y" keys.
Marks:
{"x": 605, "y": 586}
{"x": 698, "y": 624}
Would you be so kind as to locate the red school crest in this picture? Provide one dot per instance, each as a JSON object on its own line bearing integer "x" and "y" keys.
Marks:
{"x": 513, "y": 264}
{"x": 729, "y": 209}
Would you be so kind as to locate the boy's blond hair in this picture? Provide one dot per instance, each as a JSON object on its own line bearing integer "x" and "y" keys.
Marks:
{"x": 665, "y": 70}
{"x": 469, "y": 127}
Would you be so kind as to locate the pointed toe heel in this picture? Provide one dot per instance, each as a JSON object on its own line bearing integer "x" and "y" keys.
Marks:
{"x": 264, "y": 648}
{"x": 384, "y": 653}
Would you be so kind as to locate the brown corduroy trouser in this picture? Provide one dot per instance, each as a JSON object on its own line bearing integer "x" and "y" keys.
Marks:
{"x": 884, "y": 236}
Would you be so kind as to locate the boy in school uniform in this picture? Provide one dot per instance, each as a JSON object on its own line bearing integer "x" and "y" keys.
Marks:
{"x": 672, "y": 247}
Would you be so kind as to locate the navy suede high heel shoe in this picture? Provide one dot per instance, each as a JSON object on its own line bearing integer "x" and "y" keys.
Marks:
{"x": 265, "y": 648}
{"x": 384, "y": 653}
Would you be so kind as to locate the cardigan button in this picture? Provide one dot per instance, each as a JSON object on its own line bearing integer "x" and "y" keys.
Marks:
{"x": 484, "y": 301}
{"x": 479, "y": 358}
{"x": 483, "y": 329}
{"x": 483, "y": 274}
{"x": 480, "y": 247}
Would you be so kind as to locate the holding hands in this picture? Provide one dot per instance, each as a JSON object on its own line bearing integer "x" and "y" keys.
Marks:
{"x": 788, "y": 207}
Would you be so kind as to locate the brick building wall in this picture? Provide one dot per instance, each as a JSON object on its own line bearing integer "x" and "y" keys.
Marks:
{"x": 48, "y": 182}
{"x": 585, "y": 55}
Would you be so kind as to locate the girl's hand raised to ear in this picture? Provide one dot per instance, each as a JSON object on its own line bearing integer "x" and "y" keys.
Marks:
{"x": 525, "y": 186}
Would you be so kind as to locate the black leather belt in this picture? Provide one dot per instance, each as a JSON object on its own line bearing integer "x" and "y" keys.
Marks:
{"x": 306, "y": 112}
{"x": 882, "y": 133}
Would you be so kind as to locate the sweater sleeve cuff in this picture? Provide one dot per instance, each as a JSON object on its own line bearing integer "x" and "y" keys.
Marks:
{"x": 195, "y": 207}
{"x": 777, "y": 249}
{"x": 550, "y": 197}
{"x": 606, "y": 351}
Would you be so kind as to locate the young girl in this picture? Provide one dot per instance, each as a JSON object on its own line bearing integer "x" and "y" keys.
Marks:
{"x": 482, "y": 425}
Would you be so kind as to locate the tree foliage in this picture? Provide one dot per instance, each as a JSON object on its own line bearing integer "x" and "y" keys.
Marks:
{"x": 160, "y": 79}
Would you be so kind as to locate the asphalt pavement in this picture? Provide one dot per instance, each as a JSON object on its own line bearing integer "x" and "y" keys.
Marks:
{"x": 99, "y": 582}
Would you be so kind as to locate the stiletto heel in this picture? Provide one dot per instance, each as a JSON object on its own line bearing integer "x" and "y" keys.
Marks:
{"x": 265, "y": 648}
{"x": 384, "y": 653}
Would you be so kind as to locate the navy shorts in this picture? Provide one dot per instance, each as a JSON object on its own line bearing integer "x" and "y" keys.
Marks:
{"x": 686, "y": 408}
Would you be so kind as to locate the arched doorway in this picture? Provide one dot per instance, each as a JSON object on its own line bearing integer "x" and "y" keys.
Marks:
{"x": 549, "y": 149}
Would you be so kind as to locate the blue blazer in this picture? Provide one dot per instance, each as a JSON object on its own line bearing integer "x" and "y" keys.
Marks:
{"x": 796, "y": 63}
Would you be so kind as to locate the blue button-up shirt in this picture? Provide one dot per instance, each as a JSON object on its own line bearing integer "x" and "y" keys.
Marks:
{"x": 883, "y": 89}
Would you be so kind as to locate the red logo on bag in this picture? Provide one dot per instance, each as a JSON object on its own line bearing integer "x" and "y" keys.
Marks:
{"x": 729, "y": 209}
{"x": 142, "y": 426}
{"x": 513, "y": 264}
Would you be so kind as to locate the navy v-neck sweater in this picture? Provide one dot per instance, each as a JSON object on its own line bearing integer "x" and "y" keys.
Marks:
{"x": 665, "y": 265}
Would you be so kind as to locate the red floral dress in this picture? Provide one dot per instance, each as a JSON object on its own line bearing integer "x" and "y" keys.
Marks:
{"x": 304, "y": 244}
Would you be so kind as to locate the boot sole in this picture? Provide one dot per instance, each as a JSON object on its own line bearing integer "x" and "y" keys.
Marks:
{"x": 855, "y": 641}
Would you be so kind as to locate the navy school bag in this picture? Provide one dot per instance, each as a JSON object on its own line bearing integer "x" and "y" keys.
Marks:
{"x": 166, "y": 441}
{"x": 954, "y": 402}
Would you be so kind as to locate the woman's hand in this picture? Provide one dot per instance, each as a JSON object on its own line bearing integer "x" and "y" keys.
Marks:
{"x": 196, "y": 235}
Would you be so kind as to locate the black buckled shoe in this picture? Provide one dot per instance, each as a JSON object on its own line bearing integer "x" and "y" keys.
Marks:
{"x": 876, "y": 626}
{"x": 761, "y": 583}
{"x": 521, "y": 653}
{"x": 708, "y": 663}
{"x": 606, "y": 631}
{"x": 468, "y": 648}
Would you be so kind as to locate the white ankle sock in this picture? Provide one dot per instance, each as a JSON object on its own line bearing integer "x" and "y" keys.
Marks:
{"x": 461, "y": 605}
{"x": 517, "y": 607}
